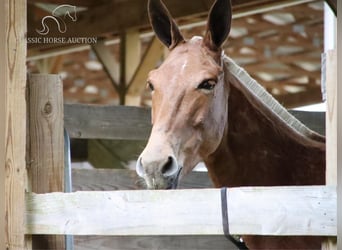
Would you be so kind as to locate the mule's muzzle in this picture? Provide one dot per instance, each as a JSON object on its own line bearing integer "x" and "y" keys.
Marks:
{"x": 159, "y": 173}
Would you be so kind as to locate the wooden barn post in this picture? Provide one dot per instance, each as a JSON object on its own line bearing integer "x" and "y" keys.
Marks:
{"x": 330, "y": 73}
{"x": 3, "y": 79}
{"x": 46, "y": 145}
{"x": 331, "y": 116}
{"x": 13, "y": 122}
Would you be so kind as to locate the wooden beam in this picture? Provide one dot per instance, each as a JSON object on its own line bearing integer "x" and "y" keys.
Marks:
{"x": 330, "y": 72}
{"x": 128, "y": 14}
{"x": 190, "y": 242}
{"x": 79, "y": 3}
{"x": 313, "y": 120}
{"x": 185, "y": 212}
{"x": 107, "y": 122}
{"x": 50, "y": 65}
{"x": 149, "y": 61}
{"x": 124, "y": 179}
{"x": 132, "y": 53}
{"x": 130, "y": 47}
{"x": 122, "y": 122}
{"x": 132, "y": 14}
{"x": 294, "y": 100}
{"x": 119, "y": 179}
{"x": 13, "y": 177}
{"x": 331, "y": 116}
{"x": 46, "y": 170}
{"x": 292, "y": 70}
{"x": 110, "y": 65}
{"x": 4, "y": 82}
{"x": 113, "y": 153}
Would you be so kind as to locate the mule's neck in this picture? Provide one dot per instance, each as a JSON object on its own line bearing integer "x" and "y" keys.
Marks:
{"x": 222, "y": 168}
{"x": 260, "y": 149}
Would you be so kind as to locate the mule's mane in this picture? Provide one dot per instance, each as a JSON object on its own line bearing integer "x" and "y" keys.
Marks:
{"x": 267, "y": 99}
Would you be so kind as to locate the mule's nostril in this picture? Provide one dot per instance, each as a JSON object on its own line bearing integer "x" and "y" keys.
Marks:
{"x": 167, "y": 166}
{"x": 139, "y": 167}
{"x": 170, "y": 167}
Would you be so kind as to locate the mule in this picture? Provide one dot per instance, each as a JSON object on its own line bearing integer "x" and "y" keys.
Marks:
{"x": 207, "y": 108}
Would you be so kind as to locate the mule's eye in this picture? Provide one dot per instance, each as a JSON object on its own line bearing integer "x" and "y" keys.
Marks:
{"x": 150, "y": 86}
{"x": 207, "y": 84}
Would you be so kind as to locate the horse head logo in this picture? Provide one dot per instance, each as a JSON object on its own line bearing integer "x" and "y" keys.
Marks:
{"x": 58, "y": 15}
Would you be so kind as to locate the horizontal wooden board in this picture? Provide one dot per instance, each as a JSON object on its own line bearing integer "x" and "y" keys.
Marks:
{"x": 134, "y": 123}
{"x": 124, "y": 179}
{"x": 192, "y": 242}
{"x": 107, "y": 122}
{"x": 304, "y": 210}
{"x": 313, "y": 120}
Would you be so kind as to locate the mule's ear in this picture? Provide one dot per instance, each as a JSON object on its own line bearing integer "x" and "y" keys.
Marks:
{"x": 163, "y": 24}
{"x": 218, "y": 25}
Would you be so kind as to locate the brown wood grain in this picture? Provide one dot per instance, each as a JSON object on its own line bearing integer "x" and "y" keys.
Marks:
{"x": 123, "y": 179}
{"x": 149, "y": 242}
{"x": 46, "y": 145}
{"x": 3, "y": 111}
{"x": 107, "y": 122}
{"x": 134, "y": 123}
{"x": 113, "y": 153}
{"x": 13, "y": 120}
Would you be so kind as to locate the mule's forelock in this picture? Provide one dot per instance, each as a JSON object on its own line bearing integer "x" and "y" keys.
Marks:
{"x": 163, "y": 24}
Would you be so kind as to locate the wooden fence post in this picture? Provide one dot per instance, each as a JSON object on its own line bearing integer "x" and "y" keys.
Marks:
{"x": 46, "y": 145}
{"x": 13, "y": 122}
{"x": 330, "y": 73}
{"x": 3, "y": 79}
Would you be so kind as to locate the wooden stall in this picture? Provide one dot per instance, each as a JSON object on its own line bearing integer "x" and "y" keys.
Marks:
{"x": 32, "y": 167}
{"x": 55, "y": 213}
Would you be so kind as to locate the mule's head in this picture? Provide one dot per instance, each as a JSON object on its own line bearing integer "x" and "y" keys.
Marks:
{"x": 189, "y": 99}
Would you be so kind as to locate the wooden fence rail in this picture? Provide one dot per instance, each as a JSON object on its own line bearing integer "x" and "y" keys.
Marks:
{"x": 134, "y": 123}
{"x": 297, "y": 210}
{"x": 107, "y": 122}
{"x": 124, "y": 179}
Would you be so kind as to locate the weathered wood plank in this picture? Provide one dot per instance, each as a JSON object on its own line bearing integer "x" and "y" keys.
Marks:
{"x": 134, "y": 123}
{"x": 110, "y": 65}
{"x": 148, "y": 62}
{"x": 123, "y": 179}
{"x": 46, "y": 144}
{"x": 313, "y": 120}
{"x": 4, "y": 82}
{"x": 3, "y": 79}
{"x": 132, "y": 14}
{"x": 107, "y": 122}
{"x": 330, "y": 73}
{"x": 305, "y": 210}
{"x": 331, "y": 117}
{"x": 132, "y": 53}
{"x": 192, "y": 242}
{"x": 13, "y": 123}
{"x": 120, "y": 179}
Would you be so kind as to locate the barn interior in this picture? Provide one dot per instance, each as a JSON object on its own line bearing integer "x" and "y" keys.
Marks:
{"x": 104, "y": 49}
